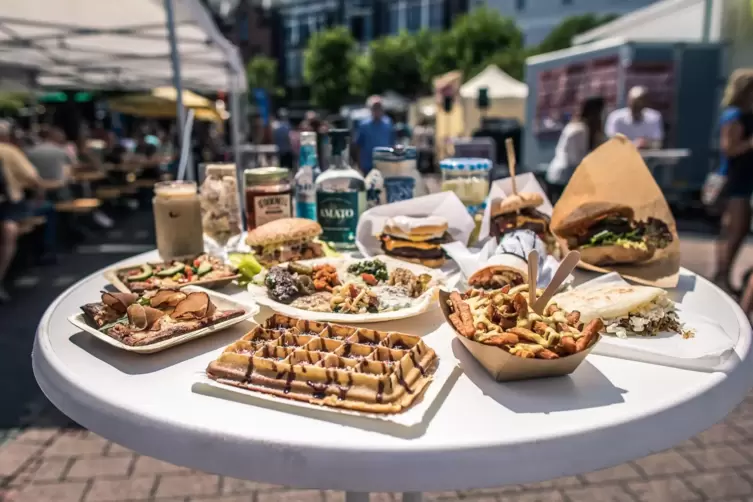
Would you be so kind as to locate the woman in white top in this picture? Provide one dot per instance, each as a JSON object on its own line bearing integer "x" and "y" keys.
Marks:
{"x": 579, "y": 137}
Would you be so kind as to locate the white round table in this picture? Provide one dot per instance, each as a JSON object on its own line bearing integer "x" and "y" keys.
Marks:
{"x": 479, "y": 434}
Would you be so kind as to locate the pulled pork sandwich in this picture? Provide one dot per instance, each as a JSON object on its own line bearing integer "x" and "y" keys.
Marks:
{"x": 519, "y": 212}
{"x": 417, "y": 240}
{"x": 606, "y": 233}
{"x": 284, "y": 240}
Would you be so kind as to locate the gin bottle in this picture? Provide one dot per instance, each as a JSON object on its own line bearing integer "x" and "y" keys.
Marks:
{"x": 340, "y": 195}
{"x": 308, "y": 171}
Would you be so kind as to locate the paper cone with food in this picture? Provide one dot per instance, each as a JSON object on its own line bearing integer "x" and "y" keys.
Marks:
{"x": 613, "y": 213}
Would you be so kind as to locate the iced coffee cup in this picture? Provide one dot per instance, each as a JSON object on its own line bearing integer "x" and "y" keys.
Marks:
{"x": 177, "y": 220}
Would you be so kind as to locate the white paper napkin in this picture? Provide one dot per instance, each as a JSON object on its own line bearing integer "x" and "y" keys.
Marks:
{"x": 444, "y": 204}
{"x": 706, "y": 351}
{"x": 502, "y": 188}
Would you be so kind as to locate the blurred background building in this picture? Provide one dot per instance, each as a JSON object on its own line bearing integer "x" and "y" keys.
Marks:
{"x": 536, "y": 18}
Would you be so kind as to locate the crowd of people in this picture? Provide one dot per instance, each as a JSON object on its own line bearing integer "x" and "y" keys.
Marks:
{"x": 38, "y": 170}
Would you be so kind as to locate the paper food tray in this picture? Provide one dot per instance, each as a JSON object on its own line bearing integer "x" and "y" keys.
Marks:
{"x": 414, "y": 415}
{"x": 422, "y": 304}
{"x": 223, "y": 302}
{"x": 112, "y": 277}
{"x": 506, "y": 367}
{"x": 706, "y": 351}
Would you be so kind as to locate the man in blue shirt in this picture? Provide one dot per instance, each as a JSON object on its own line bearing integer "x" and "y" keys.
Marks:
{"x": 374, "y": 132}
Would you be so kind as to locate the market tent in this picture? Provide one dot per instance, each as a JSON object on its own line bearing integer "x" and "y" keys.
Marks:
{"x": 109, "y": 44}
{"x": 507, "y": 97}
{"x": 666, "y": 20}
{"x": 160, "y": 103}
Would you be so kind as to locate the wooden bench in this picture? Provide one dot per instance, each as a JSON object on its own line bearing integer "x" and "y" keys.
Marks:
{"x": 78, "y": 206}
{"x": 108, "y": 193}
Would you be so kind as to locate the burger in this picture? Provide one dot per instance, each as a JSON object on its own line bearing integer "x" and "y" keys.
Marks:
{"x": 417, "y": 240}
{"x": 519, "y": 212}
{"x": 284, "y": 240}
{"x": 606, "y": 233}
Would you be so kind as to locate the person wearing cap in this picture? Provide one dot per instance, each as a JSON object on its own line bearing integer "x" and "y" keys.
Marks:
{"x": 372, "y": 133}
{"x": 641, "y": 125}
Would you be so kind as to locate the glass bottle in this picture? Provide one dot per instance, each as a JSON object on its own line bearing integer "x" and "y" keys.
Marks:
{"x": 308, "y": 171}
{"x": 340, "y": 194}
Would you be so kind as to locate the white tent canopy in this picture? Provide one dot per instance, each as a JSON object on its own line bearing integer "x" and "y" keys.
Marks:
{"x": 116, "y": 44}
{"x": 666, "y": 20}
{"x": 500, "y": 85}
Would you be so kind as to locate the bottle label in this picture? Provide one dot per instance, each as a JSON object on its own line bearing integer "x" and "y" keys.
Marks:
{"x": 271, "y": 207}
{"x": 305, "y": 210}
{"x": 399, "y": 188}
{"x": 338, "y": 214}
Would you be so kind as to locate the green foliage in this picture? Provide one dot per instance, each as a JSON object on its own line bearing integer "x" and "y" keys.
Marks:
{"x": 13, "y": 101}
{"x": 562, "y": 35}
{"x": 391, "y": 63}
{"x": 327, "y": 65}
{"x": 261, "y": 73}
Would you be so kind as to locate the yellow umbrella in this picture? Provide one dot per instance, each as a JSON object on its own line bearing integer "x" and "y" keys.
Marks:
{"x": 161, "y": 102}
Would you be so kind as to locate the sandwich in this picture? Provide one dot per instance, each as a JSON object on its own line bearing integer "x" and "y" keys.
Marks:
{"x": 417, "y": 240}
{"x": 284, "y": 240}
{"x": 626, "y": 310}
{"x": 519, "y": 212}
{"x": 606, "y": 233}
{"x": 509, "y": 263}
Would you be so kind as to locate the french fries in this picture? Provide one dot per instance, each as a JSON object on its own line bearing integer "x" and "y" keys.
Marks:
{"x": 503, "y": 318}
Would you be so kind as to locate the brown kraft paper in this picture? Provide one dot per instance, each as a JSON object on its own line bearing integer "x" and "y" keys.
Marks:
{"x": 616, "y": 172}
{"x": 505, "y": 367}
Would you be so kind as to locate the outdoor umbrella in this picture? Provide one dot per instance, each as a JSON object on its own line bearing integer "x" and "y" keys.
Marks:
{"x": 160, "y": 103}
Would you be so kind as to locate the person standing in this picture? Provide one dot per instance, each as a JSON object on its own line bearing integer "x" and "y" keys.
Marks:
{"x": 17, "y": 175}
{"x": 281, "y": 136}
{"x": 736, "y": 145}
{"x": 374, "y": 132}
{"x": 579, "y": 138}
{"x": 642, "y": 125}
{"x": 52, "y": 162}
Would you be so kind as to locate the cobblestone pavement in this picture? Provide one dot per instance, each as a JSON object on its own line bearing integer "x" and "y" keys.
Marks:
{"x": 45, "y": 457}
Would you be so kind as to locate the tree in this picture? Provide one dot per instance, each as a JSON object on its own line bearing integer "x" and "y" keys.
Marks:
{"x": 473, "y": 39}
{"x": 327, "y": 65}
{"x": 561, "y": 37}
{"x": 391, "y": 63}
{"x": 261, "y": 73}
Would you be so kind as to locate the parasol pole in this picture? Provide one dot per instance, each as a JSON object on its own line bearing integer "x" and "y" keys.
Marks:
{"x": 177, "y": 81}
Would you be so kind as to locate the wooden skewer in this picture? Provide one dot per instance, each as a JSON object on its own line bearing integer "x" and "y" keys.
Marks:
{"x": 533, "y": 274}
{"x": 510, "y": 147}
{"x": 565, "y": 269}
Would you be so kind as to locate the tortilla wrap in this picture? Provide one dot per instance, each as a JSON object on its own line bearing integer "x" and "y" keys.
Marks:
{"x": 501, "y": 263}
{"x": 607, "y": 301}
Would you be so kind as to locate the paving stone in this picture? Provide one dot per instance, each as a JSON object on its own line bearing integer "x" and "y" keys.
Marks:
{"x": 89, "y": 467}
{"x": 150, "y": 465}
{"x": 14, "y": 455}
{"x": 221, "y": 498}
{"x": 114, "y": 449}
{"x": 292, "y": 496}
{"x": 720, "y": 485}
{"x": 663, "y": 490}
{"x": 719, "y": 433}
{"x": 443, "y": 496}
{"x": 666, "y": 462}
{"x": 564, "y": 482}
{"x": 234, "y": 485}
{"x": 545, "y": 496}
{"x": 715, "y": 457}
{"x": 622, "y": 472}
{"x": 196, "y": 484}
{"x": 49, "y": 469}
{"x": 606, "y": 493}
{"x": 74, "y": 445}
{"x": 52, "y": 492}
{"x": 109, "y": 490}
{"x": 36, "y": 435}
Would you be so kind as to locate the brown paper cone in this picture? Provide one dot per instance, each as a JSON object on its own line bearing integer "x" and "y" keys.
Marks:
{"x": 505, "y": 367}
{"x": 616, "y": 172}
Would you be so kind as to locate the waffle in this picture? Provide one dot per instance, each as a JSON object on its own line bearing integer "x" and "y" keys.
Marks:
{"x": 328, "y": 364}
